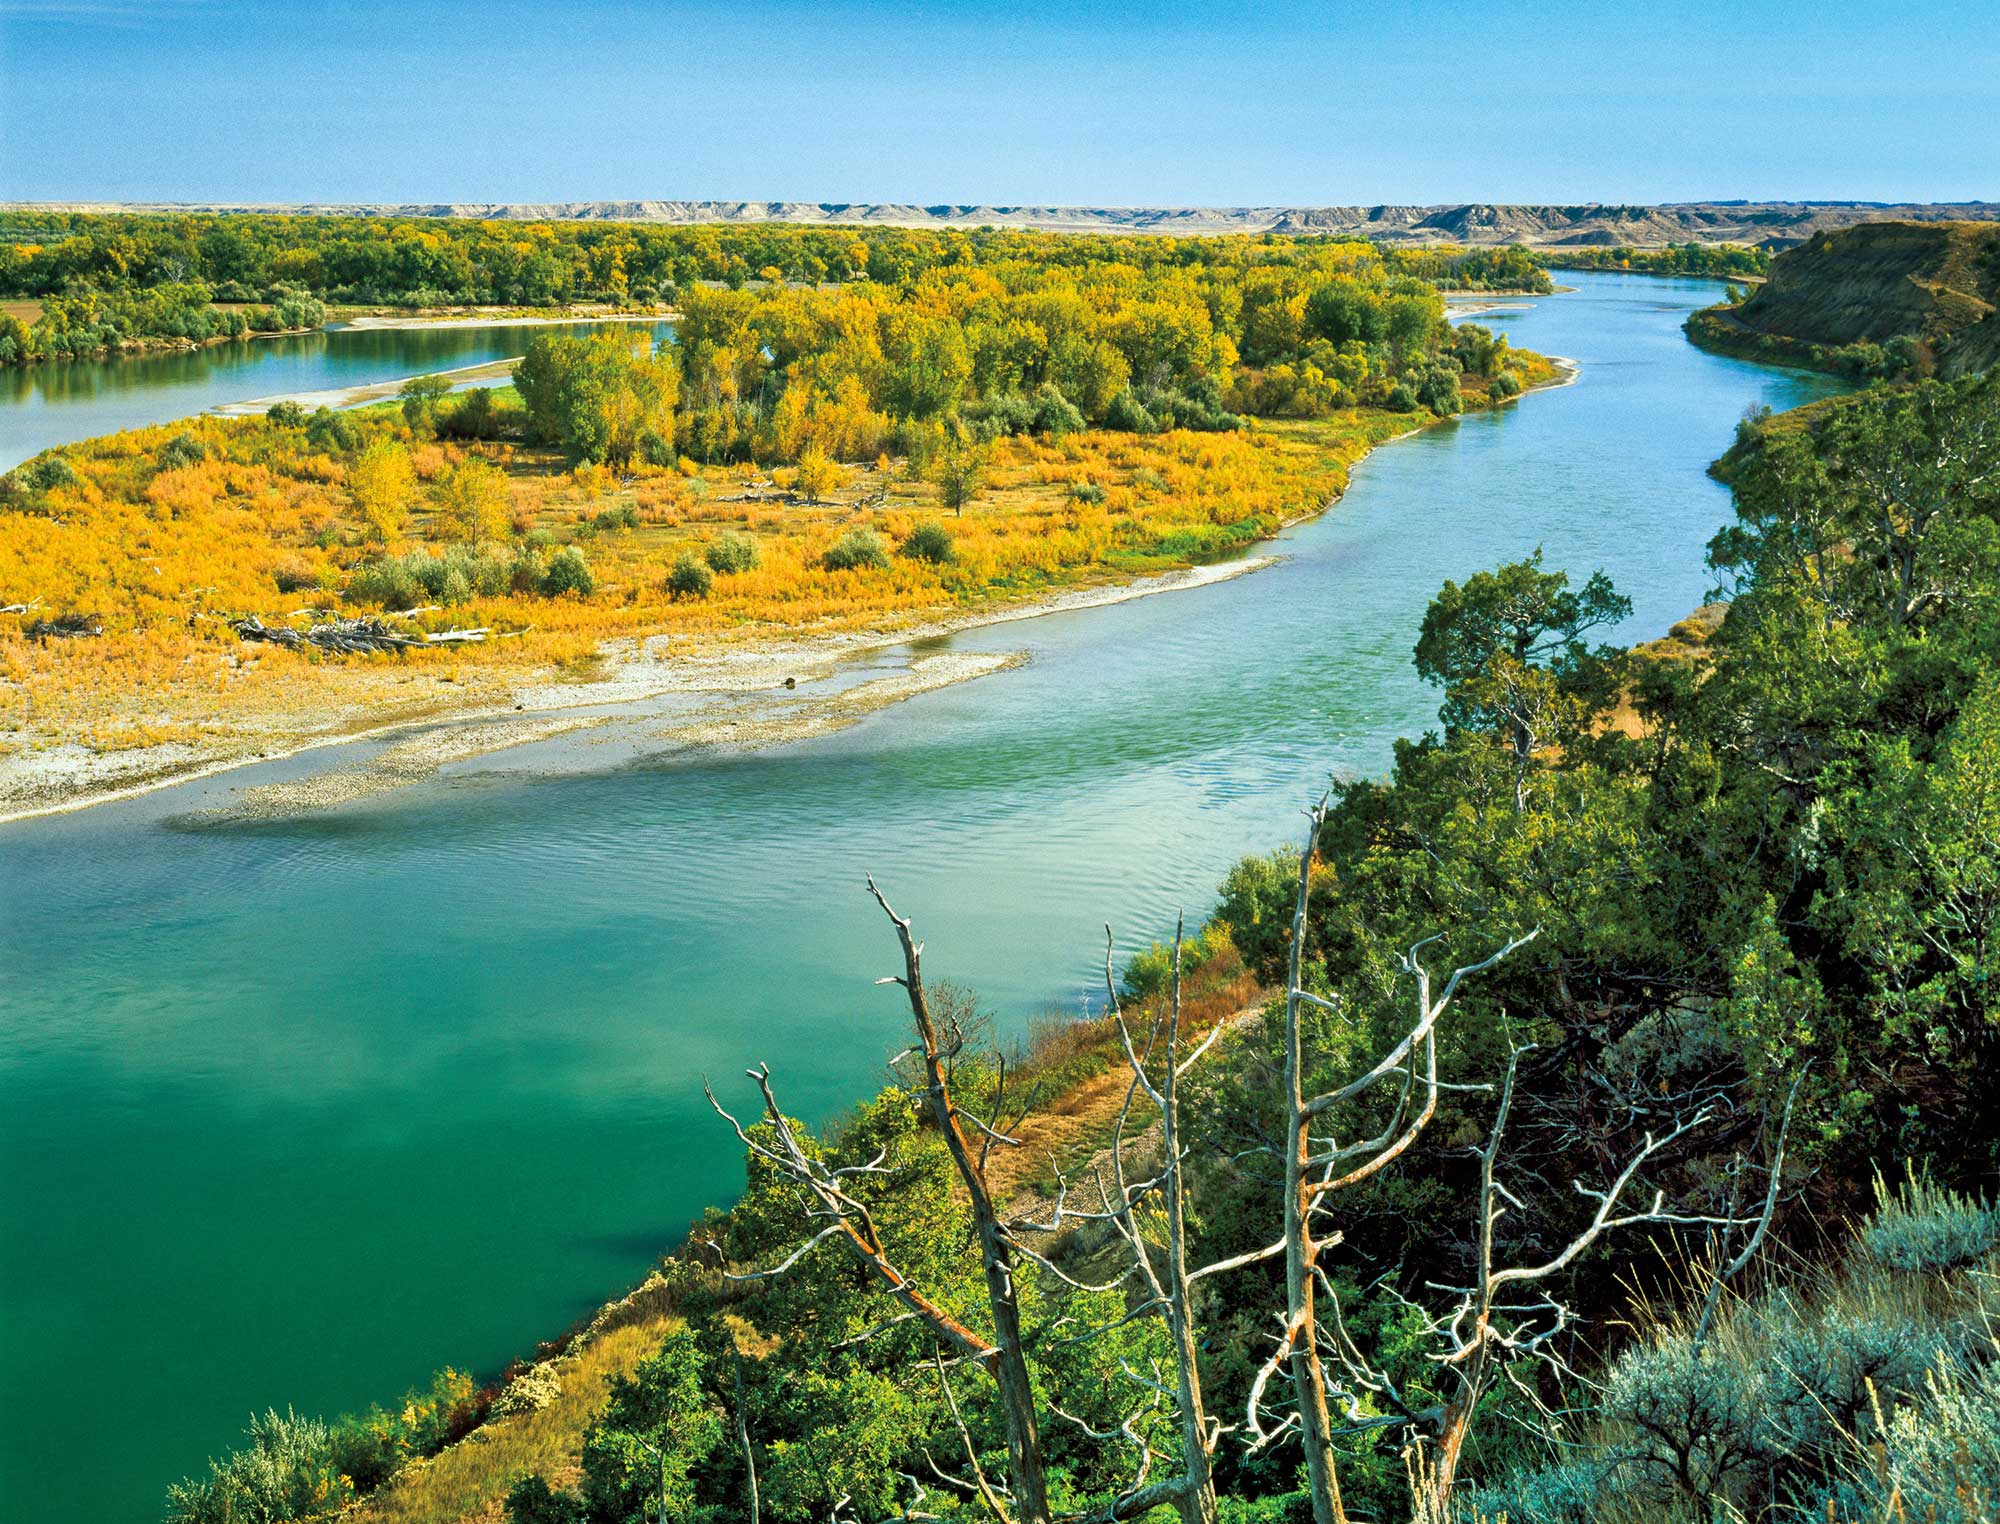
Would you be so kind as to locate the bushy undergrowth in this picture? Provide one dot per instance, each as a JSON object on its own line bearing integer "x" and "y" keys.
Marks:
{"x": 304, "y": 1468}
{"x": 1870, "y": 1395}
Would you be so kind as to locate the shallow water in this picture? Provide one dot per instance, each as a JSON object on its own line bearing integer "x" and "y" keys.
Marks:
{"x": 61, "y": 401}
{"x": 294, "y": 1112}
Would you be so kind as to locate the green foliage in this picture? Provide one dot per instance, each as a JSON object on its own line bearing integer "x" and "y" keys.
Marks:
{"x": 658, "y": 1425}
{"x": 1924, "y": 1228}
{"x": 286, "y": 415}
{"x": 46, "y": 473}
{"x": 421, "y": 397}
{"x": 929, "y": 541}
{"x": 331, "y": 432}
{"x": 598, "y": 396}
{"x": 182, "y": 450}
{"x": 531, "y": 1501}
{"x": 691, "y": 576}
{"x": 857, "y": 550}
{"x": 286, "y": 1472}
{"x": 568, "y": 572}
{"x": 456, "y": 576}
{"x": 731, "y": 553}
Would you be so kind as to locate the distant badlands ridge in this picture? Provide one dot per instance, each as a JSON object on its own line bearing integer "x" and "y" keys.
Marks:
{"x": 1772, "y": 224}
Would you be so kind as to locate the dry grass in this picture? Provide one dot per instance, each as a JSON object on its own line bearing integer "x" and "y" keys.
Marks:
{"x": 161, "y": 555}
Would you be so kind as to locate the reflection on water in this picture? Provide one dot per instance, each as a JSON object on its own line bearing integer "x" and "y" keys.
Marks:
{"x": 296, "y": 1111}
{"x": 61, "y": 401}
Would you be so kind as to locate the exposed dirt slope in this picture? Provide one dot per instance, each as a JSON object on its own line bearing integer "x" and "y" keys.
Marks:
{"x": 1768, "y": 224}
{"x": 1933, "y": 283}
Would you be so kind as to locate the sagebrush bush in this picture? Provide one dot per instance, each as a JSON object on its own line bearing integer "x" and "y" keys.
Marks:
{"x": 1938, "y": 1460}
{"x": 690, "y": 577}
{"x": 1921, "y": 1227}
{"x": 856, "y": 549}
{"x": 287, "y": 1471}
{"x": 568, "y": 573}
{"x": 1576, "y": 1492}
{"x": 1695, "y": 1419}
{"x": 730, "y": 553}
{"x": 929, "y": 541}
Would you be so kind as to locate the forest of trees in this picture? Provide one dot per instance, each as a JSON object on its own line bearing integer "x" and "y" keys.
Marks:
{"x": 1609, "y": 1150}
{"x": 1697, "y": 259}
{"x": 1009, "y": 344}
{"x": 157, "y": 275}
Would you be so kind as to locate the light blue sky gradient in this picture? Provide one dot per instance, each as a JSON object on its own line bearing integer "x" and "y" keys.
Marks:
{"x": 1096, "y": 102}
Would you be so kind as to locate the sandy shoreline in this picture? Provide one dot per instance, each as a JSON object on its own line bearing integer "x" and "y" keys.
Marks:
{"x": 474, "y": 320}
{"x": 761, "y": 677}
{"x": 760, "y": 710}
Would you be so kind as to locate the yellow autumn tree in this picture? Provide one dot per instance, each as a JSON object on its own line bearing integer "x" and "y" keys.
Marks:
{"x": 817, "y": 476}
{"x": 473, "y": 502}
{"x": 382, "y": 482}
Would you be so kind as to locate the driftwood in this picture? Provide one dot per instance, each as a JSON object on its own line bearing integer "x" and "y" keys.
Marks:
{"x": 64, "y": 627}
{"x": 352, "y": 636}
{"x": 21, "y": 608}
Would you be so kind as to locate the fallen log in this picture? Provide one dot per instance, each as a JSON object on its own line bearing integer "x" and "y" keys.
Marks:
{"x": 352, "y": 637}
{"x": 64, "y": 627}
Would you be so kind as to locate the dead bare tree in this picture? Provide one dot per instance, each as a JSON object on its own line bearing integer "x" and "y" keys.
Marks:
{"x": 848, "y": 1222}
{"x": 1481, "y": 1327}
{"x": 1313, "y": 1172}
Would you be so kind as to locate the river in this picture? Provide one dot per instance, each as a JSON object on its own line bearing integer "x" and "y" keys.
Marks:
{"x": 61, "y": 401}
{"x": 296, "y": 1111}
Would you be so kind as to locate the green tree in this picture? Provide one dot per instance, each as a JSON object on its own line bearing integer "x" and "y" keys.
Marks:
{"x": 658, "y": 1425}
{"x": 958, "y": 468}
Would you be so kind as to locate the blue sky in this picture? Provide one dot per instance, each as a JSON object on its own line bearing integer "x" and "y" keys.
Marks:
{"x": 1095, "y": 102}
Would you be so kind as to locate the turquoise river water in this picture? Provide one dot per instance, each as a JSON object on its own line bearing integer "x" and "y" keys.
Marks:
{"x": 296, "y": 1111}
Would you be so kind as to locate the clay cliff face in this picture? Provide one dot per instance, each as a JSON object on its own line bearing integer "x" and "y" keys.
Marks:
{"x": 1775, "y": 224}
{"x": 1938, "y": 283}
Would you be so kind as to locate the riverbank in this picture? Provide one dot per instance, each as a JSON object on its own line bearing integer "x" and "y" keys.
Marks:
{"x": 168, "y": 694}
{"x": 538, "y": 1413}
{"x": 496, "y": 318}
{"x": 757, "y": 705}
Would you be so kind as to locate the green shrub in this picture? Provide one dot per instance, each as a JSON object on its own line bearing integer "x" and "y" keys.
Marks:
{"x": 730, "y": 552}
{"x": 1924, "y": 1228}
{"x": 331, "y": 432}
{"x": 287, "y": 1471}
{"x": 287, "y": 415}
{"x": 929, "y": 541}
{"x": 1574, "y": 1493}
{"x": 690, "y": 577}
{"x": 1697, "y": 1419}
{"x": 1086, "y": 492}
{"x": 180, "y": 451}
{"x": 45, "y": 473}
{"x": 1938, "y": 1460}
{"x": 1129, "y": 415}
{"x": 568, "y": 573}
{"x": 856, "y": 549}
{"x": 1055, "y": 415}
{"x": 532, "y": 1501}
{"x": 624, "y": 516}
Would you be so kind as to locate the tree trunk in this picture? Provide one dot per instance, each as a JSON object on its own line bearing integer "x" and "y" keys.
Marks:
{"x": 1308, "y": 1379}
{"x": 1197, "y": 1503}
